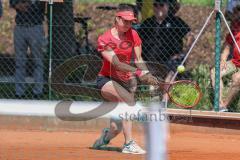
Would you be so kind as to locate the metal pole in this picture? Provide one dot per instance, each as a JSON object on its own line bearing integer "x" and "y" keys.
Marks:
{"x": 217, "y": 54}
{"x": 50, "y": 49}
{"x": 156, "y": 132}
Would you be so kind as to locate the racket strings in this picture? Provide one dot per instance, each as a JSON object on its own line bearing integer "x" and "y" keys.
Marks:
{"x": 184, "y": 94}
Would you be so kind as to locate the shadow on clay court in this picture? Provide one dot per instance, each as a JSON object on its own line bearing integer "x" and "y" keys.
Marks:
{"x": 107, "y": 148}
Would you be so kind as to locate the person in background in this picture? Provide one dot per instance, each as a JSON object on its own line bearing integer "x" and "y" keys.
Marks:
{"x": 116, "y": 79}
{"x": 28, "y": 34}
{"x": 163, "y": 37}
{"x": 146, "y": 8}
{"x": 1, "y": 9}
{"x": 229, "y": 9}
{"x": 230, "y": 67}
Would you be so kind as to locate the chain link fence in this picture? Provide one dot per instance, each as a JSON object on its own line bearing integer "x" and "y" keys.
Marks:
{"x": 49, "y": 51}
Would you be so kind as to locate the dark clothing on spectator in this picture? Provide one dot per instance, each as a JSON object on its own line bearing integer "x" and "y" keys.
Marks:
{"x": 162, "y": 41}
{"x": 33, "y": 16}
{"x": 29, "y": 34}
{"x": 1, "y": 9}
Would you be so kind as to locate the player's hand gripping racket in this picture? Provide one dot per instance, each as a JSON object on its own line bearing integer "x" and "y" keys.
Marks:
{"x": 183, "y": 93}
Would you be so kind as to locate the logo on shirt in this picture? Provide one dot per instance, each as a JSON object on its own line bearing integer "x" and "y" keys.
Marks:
{"x": 126, "y": 44}
{"x": 110, "y": 45}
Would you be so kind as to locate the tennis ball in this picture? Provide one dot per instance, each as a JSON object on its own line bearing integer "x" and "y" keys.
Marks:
{"x": 181, "y": 69}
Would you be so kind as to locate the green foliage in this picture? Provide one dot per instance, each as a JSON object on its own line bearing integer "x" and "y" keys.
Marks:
{"x": 198, "y": 2}
{"x": 201, "y": 75}
{"x": 187, "y": 2}
{"x": 100, "y": 31}
{"x": 235, "y": 104}
{"x": 201, "y": 2}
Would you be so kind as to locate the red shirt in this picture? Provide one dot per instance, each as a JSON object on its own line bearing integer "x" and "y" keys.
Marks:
{"x": 123, "y": 50}
{"x": 235, "y": 27}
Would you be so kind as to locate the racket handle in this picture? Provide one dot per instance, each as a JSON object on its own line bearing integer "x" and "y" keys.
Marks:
{"x": 164, "y": 86}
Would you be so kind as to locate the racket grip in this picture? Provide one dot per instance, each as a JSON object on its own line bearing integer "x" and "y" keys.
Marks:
{"x": 164, "y": 86}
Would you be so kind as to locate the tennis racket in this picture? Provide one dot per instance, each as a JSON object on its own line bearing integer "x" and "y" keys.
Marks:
{"x": 183, "y": 93}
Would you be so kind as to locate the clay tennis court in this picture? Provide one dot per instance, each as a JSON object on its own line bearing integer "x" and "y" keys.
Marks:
{"x": 184, "y": 144}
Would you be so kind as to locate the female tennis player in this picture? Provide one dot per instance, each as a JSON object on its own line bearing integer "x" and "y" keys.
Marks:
{"x": 116, "y": 79}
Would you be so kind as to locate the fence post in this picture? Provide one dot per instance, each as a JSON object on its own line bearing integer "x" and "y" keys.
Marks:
{"x": 50, "y": 50}
{"x": 217, "y": 55}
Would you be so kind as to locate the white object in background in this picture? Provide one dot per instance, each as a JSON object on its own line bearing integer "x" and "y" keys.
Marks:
{"x": 156, "y": 132}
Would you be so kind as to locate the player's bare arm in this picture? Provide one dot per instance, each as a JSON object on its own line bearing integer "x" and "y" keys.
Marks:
{"x": 110, "y": 56}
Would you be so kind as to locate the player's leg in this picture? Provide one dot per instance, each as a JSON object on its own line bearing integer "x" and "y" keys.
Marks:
{"x": 114, "y": 92}
{"x": 122, "y": 95}
{"x": 115, "y": 128}
{"x": 108, "y": 133}
{"x": 127, "y": 130}
{"x": 130, "y": 146}
{"x": 227, "y": 70}
{"x": 233, "y": 90}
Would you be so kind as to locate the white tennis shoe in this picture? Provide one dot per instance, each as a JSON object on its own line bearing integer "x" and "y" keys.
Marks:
{"x": 132, "y": 148}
